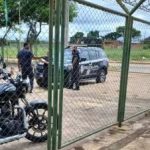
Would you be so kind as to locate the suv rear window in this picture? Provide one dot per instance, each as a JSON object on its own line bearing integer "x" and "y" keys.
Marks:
{"x": 68, "y": 56}
{"x": 93, "y": 54}
{"x": 102, "y": 54}
{"x": 84, "y": 54}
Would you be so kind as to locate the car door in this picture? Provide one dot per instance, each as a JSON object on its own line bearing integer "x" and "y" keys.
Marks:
{"x": 84, "y": 64}
{"x": 94, "y": 62}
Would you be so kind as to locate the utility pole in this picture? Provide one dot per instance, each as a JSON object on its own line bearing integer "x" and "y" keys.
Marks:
{"x": 19, "y": 19}
{"x": 66, "y": 42}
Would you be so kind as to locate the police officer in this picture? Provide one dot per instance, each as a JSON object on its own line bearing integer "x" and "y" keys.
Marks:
{"x": 75, "y": 70}
{"x": 25, "y": 57}
{"x": 45, "y": 72}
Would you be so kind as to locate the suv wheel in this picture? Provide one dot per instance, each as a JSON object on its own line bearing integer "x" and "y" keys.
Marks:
{"x": 101, "y": 78}
{"x": 67, "y": 80}
{"x": 39, "y": 82}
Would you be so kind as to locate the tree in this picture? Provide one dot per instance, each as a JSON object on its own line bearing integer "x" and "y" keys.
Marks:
{"x": 39, "y": 13}
{"x": 135, "y": 32}
{"x": 12, "y": 16}
{"x": 93, "y": 34}
{"x": 112, "y": 36}
{"x": 33, "y": 12}
{"x": 146, "y": 43}
{"x": 77, "y": 37}
{"x": 72, "y": 11}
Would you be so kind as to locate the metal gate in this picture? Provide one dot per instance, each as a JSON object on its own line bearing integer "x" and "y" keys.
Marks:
{"x": 79, "y": 114}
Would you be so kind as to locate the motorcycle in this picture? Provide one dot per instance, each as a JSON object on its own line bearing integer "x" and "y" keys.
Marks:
{"x": 18, "y": 117}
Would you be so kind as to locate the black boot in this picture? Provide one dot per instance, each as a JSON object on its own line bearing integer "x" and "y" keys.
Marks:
{"x": 76, "y": 87}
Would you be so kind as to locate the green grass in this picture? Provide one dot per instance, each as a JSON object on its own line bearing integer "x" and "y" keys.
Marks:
{"x": 113, "y": 54}
{"x": 136, "y": 54}
{"x": 12, "y": 50}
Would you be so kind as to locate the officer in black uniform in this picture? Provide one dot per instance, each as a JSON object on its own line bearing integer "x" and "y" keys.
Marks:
{"x": 25, "y": 57}
{"x": 45, "y": 72}
{"x": 75, "y": 70}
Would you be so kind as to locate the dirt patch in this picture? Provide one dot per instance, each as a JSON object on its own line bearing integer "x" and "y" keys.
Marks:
{"x": 93, "y": 107}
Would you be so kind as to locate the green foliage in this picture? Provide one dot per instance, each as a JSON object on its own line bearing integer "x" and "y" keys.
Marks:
{"x": 146, "y": 43}
{"x": 114, "y": 54}
{"x": 91, "y": 39}
{"x": 12, "y": 13}
{"x": 72, "y": 11}
{"x": 1, "y": 5}
{"x": 33, "y": 12}
{"x": 112, "y": 36}
{"x": 93, "y": 34}
{"x": 136, "y": 54}
{"x": 135, "y": 32}
{"x": 77, "y": 37}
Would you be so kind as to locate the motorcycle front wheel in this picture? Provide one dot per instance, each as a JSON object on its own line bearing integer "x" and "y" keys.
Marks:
{"x": 38, "y": 123}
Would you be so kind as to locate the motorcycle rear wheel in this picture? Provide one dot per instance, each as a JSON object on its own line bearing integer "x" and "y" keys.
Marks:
{"x": 38, "y": 123}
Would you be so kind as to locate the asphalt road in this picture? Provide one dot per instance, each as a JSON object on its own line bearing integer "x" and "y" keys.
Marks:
{"x": 139, "y": 68}
{"x": 136, "y": 68}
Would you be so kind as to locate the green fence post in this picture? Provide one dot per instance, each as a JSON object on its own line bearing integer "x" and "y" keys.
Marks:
{"x": 125, "y": 68}
{"x": 2, "y": 49}
{"x": 123, "y": 6}
{"x": 61, "y": 72}
{"x": 56, "y": 73}
{"x": 49, "y": 142}
{"x": 137, "y": 6}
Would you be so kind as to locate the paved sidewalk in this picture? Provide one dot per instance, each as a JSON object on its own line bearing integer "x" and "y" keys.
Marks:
{"x": 141, "y": 143}
{"x": 134, "y": 135}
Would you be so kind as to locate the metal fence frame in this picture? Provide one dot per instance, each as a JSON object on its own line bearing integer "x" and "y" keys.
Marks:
{"x": 55, "y": 92}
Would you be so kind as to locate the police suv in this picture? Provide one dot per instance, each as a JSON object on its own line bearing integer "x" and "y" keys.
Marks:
{"x": 93, "y": 65}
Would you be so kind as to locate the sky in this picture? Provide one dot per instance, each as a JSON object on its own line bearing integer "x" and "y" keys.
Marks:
{"x": 91, "y": 19}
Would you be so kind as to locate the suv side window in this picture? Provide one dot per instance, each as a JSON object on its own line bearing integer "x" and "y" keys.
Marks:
{"x": 93, "y": 54}
{"x": 97, "y": 54}
{"x": 102, "y": 54}
{"x": 84, "y": 54}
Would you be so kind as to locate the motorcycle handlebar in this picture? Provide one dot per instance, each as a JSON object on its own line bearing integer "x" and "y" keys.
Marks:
{"x": 5, "y": 75}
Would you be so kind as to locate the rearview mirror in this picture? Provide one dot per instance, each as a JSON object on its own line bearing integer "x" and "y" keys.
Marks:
{"x": 82, "y": 59}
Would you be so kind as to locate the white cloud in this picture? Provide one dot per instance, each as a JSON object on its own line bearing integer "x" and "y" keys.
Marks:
{"x": 91, "y": 19}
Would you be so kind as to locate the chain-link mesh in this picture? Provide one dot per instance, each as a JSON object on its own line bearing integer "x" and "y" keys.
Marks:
{"x": 92, "y": 70}
{"x": 138, "y": 92}
{"x": 23, "y": 99}
{"x": 93, "y": 105}
{"x": 144, "y": 6}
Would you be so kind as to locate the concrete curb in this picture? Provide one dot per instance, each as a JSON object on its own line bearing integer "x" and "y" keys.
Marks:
{"x": 133, "y": 62}
{"x": 116, "y": 138}
{"x": 125, "y": 141}
{"x": 13, "y": 61}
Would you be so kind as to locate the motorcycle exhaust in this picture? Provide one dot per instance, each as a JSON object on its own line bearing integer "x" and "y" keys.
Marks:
{"x": 19, "y": 136}
{"x": 12, "y": 138}
{"x": 24, "y": 116}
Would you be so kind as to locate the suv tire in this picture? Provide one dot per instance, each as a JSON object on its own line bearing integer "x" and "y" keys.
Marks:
{"x": 101, "y": 78}
{"x": 67, "y": 80}
{"x": 40, "y": 82}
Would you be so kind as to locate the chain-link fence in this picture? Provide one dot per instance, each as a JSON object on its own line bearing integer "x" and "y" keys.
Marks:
{"x": 94, "y": 106}
{"x": 138, "y": 81}
{"x": 23, "y": 102}
{"x": 64, "y": 69}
